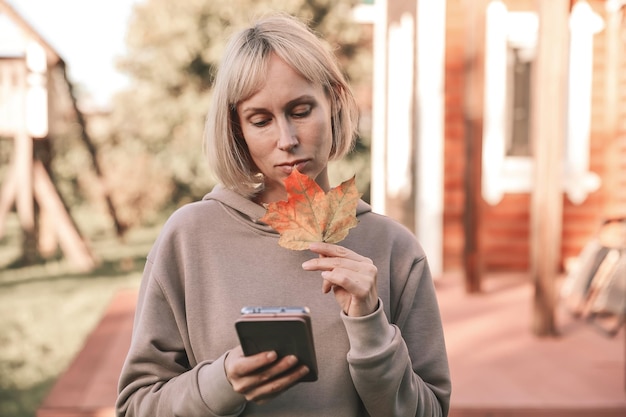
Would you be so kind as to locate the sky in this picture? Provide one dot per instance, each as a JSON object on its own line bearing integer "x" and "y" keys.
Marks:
{"x": 88, "y": 35}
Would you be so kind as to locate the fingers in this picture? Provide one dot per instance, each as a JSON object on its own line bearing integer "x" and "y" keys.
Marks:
{"x": 274, "y": 386}
{"x": 327, "y": 286}
{"x": 238, "y": 366}
{"x": 335, "y": 251}
{"x": 337, "y": 257}
{"x": 352, "y": 277}
{"x": 262, "y": 376}
{"x": 341, "y": 266}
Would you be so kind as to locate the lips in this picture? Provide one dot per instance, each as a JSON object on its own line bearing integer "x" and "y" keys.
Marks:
{"x": 287, "y": 167}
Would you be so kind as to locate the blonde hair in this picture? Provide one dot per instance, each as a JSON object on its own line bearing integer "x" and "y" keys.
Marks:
{"x": 242, "y": 73}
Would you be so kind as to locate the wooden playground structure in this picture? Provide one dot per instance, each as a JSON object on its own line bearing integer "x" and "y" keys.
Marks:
{"x": 36, "y": 98}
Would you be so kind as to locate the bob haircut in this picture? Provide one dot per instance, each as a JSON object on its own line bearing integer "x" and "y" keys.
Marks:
{"x": 242, "y": 73}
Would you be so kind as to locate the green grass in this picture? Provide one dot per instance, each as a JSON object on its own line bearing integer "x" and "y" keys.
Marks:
{"x": 47, "y": 310}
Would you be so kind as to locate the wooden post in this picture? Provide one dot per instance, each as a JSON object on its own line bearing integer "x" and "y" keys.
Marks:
{"x": 473, "y": 115}
{"x": 72, "y": 243}
{"x": 548, "y": 130}
{"x": 23, "y": 171}
{"x": 7, "y": 196}
{"x": 120, "y": 227}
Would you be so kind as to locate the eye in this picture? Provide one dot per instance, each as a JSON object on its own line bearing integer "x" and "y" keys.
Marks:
{"x": 301, "y": 111}
{"x": 260, "y": 121}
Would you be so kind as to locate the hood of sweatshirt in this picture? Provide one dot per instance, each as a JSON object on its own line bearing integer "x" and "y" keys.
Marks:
{"x": 253, "y": 211}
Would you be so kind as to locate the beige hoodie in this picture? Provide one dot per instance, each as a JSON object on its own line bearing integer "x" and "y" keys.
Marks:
{"x": 213, "y": 257}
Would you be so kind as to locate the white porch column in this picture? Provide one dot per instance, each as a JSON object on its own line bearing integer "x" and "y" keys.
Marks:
{"x": 408, "y": 119}
{"x": 431, "y": 33}
{"x": 379, "y": 109}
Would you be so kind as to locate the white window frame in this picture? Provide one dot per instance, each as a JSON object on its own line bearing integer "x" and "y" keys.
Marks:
{"x": 578, "y": 180}
{"x": 514, "y": 174}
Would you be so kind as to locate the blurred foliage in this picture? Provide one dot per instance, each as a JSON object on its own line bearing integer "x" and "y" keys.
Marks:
{"x": 152, "y": 151}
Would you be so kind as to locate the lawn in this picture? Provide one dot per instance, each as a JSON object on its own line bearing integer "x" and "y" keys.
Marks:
{"x": 46, "y": 311}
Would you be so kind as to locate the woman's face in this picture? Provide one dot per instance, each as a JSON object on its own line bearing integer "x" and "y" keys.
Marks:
{"x": 287, "y": 124}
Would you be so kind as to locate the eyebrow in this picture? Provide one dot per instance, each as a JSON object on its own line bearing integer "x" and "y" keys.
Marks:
{"x": 290, "y": 103}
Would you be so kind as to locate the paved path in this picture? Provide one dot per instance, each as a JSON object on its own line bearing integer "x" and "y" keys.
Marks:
{"x": 499, "y": 369}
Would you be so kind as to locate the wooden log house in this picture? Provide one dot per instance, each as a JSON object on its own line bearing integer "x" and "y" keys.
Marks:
{"x": 499, "y": 131}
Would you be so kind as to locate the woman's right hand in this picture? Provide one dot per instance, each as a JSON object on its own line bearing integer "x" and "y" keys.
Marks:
{"x": 263, "y": 376}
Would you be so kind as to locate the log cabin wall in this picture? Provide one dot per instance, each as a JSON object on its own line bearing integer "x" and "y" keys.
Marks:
{"x": 581, "y": 221}
{"x": 505, "y": 225}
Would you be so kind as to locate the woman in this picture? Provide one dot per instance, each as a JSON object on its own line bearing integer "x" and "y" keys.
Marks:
{"x": 280, "y": 102}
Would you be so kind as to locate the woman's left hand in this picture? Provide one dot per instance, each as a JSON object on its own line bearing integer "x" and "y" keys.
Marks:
{"x": 352, "y": 277}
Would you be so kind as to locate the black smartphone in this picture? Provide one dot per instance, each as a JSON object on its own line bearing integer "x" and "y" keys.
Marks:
{"x": 286, "y": 330}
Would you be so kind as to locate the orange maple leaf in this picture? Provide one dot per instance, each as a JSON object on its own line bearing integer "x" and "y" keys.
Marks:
{"x": 311, "y": 215}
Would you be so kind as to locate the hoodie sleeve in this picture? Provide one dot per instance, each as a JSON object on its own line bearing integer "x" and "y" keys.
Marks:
{"x": 402, "y": 369}
{"x": 157, "y": 378}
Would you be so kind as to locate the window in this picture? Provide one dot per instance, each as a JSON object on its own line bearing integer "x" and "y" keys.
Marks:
{"x": 519, "y": 72}
{"x": 511, "y": 42}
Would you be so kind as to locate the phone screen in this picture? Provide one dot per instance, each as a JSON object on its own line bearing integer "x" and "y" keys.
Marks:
{"x": 286, "y": 330}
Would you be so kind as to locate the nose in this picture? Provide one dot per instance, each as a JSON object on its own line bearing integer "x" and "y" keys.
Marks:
{"x": 287, "y": 138}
